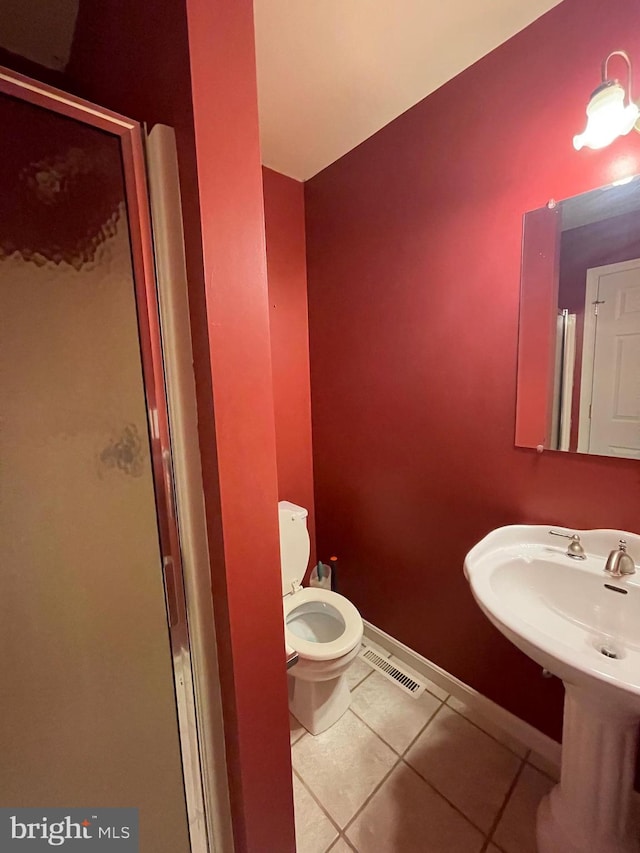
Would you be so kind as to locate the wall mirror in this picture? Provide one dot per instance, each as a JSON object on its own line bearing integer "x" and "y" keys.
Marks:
{"x": 579, "y": 338}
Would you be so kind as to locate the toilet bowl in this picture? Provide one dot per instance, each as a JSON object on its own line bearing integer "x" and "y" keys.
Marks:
{"x": 323, "y": 627}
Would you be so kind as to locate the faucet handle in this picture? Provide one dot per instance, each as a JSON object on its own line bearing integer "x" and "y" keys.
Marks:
{"x": 619, "y": 562}
{"x": 574, "y": 548}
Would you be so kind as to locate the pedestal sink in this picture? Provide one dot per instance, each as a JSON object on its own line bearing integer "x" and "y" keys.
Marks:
{"x": 582, "y": 625}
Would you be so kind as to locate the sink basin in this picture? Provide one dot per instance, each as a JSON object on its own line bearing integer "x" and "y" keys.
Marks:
{"x": 568, "y": 615}
{"x": 582, "y": 625}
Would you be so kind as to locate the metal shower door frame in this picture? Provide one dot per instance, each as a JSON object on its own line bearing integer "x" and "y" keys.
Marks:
{"x": 130, "y": 137}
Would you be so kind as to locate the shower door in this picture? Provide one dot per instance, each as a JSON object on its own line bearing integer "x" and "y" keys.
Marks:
{"x": 91, "y": 605}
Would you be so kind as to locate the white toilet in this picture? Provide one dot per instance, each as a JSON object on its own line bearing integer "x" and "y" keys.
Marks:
{"x": 324, "y": 628}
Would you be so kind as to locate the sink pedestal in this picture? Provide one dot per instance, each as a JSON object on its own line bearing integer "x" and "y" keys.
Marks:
{"x": 588, "y": 811}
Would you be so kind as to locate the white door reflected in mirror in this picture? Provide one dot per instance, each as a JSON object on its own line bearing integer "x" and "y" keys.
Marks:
{"x": 610, "y": 382}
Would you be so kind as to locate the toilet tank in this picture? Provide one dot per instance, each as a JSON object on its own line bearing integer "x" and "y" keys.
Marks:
{"x": 294, "y": 544}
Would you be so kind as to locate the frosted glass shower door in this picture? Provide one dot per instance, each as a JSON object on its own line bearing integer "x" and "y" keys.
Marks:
{"x": 87, "y": 702}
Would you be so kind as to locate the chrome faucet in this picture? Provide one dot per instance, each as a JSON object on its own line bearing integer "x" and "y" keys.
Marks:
{"x": 574, "y": 548}
{"x": 619, "y": 562}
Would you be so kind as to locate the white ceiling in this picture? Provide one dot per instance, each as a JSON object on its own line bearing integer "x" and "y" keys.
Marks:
{"x": 333, "y": 72}
{"x": 330, "y": 72}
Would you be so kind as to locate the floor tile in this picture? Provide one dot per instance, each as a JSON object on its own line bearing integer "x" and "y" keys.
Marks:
{"x": 471, "y": 769}
{"x": 341, "y": 846}
{"x": 314, "y": 831}
{"x": 516, "y": 832}
{"x": 295, "y": 729}
{"x": 551, "y": 768}
{"x": 431, "y": 686}
{"x": 488, "y": 726}
{"x": 406, "y": 816}
{"x": 343, "y": 765}
{"x": 395, "y": 715}
{"x": 358, "y": 670}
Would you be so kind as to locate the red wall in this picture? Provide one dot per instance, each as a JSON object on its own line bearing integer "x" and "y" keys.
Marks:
{"x": 192, "y": 65}
{"x": 414, "y": 244}
{"x": 287, "y": 276}
{"x": 247, "y": 591}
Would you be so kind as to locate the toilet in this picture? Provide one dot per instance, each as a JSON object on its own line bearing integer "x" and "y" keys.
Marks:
{"x": 323, "y": 627}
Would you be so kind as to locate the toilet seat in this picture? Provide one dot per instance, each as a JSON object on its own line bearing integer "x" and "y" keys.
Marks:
{"x": 337, "y": 616}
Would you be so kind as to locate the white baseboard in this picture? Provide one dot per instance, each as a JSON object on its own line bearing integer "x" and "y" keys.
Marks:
{"x": 528, "y": 736}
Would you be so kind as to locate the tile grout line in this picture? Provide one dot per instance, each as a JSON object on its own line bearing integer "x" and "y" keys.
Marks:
{"x": 486, "y": 836}
{"x": 379, "y": 736}
{"x": 484, "y": 731}
{"x": 446, "y": 799}
{"x": 371, "y": 795}
{"x": 362, "y": 680}
{"x": 402, "y": 760}
{"x": 397, "y": 756}
{"x": 298, "y": 739}
{"x": 423, "y": 729}
{"x": 342, "y": 831}
{"x": 445, "y": 701}
{"x": 399, "y": 760}
{"x": 344, "y": 838}
{"x": 508, "y": 795}
{"x": 318, "y": 803}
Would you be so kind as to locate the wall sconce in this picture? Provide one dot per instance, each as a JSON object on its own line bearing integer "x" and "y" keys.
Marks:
{"x": 608, "y": 117}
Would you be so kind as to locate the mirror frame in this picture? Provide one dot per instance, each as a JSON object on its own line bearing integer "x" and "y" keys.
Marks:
{"x": 537, "y": 402}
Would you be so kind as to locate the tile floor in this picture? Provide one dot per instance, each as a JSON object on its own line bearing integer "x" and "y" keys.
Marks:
{"x": 403, "y": 775}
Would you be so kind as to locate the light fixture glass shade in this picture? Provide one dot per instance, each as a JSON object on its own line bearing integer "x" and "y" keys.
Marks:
{"x": 607, "y": 117}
